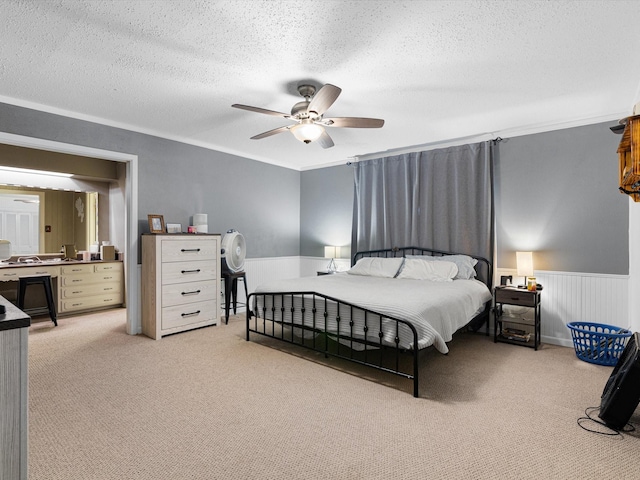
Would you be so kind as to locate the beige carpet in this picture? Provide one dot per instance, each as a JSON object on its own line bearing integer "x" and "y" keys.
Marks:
{"x": 206, "y": 404}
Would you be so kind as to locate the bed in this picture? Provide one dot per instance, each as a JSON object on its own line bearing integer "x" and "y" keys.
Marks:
{"x": 389, "y": 306}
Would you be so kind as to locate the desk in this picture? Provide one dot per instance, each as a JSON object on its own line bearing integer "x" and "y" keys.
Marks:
{"x": 14, "y": 381}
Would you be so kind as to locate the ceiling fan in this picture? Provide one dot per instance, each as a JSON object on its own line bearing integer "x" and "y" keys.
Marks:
{"x": 309, "y": 119}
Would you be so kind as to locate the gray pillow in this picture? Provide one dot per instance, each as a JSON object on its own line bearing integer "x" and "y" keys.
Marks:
{"x": 465, "y": 264}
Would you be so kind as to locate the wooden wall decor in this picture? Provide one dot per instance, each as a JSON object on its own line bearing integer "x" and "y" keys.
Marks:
{"x": 629, "y": 158}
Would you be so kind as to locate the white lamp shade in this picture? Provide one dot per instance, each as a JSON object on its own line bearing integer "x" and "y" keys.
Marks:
{"x": 524, "y": 264}
{"x": 331, "y": 252}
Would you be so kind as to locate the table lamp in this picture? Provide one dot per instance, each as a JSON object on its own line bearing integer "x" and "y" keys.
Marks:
{"x": 524, "y": 265}
{"x": 331, "y": 252}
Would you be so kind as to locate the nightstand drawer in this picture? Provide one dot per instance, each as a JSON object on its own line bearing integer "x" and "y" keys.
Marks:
{"x": 516, "y": 297}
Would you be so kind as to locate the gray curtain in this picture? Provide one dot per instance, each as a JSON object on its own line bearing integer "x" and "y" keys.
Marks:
{"x": 440, "y": 199}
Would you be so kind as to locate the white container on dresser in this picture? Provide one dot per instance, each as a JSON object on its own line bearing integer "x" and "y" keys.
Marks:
{"x": 180, "y": 282}
{"x": 89, "y": 286}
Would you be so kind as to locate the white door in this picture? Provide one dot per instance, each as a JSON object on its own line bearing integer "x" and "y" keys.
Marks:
{"x": 20, "y": 222}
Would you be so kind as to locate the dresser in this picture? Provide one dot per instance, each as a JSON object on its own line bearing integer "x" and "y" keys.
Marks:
{"x": 89, "y": 286}
{"x": 180, "y": 282}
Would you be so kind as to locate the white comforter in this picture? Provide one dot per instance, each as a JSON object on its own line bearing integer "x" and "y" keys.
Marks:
{"x": 436, "y": 309}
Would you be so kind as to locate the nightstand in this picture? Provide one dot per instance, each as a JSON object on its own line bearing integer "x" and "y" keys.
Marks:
{"x": 516, "y": 330}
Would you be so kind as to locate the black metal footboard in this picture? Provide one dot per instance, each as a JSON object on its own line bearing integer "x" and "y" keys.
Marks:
{"x": 336, "y": 328}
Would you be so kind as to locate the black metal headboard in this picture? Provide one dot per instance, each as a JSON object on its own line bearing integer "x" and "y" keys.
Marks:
{"x": 484, "y": 269}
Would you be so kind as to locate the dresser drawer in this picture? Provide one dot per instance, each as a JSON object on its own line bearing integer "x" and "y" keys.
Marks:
{"x": 188, "y": 272}
{"x": 87, "y": 303}
{"x": 183, "y": 249}
{"x": 516, "y": 297}
{"x": 183, "y": 293}
{"x": 114, "y": 267}
{"x": 7, "y": 274}
{"x": 88, "y": 290}
{"x": 193, "y": 313}
{"x": 76, "y": 269}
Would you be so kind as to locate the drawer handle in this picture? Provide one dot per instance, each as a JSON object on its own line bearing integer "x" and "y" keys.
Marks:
{"x": 77, "y": 291}
{"x": 107, "y": 278}
{"x": 76, "y": 269}
{"x": 195, "y": 292}
{"x": 192, "y": 314}
{"x": 191, "y": 271}
{"x": 106, "y": 289}
{"x": 76, "y": 280}
{"x": 108, "y": 300}
{"x": 76, "y": 304}
{"x": 190, "y": 250}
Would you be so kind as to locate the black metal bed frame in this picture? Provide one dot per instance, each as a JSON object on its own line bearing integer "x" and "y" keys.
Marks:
{"x": 274, "y": 319}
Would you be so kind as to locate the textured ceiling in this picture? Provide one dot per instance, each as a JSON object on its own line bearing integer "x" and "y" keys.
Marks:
{"x": 436, "y": 71}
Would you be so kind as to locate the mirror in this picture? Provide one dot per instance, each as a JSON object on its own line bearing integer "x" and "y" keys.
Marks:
{"x": 68, "y": 187}
{"x": 39, "y": 220}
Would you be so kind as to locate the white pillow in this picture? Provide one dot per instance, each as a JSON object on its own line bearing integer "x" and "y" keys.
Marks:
{"x": 377, "y": 267}
{"x": 465, "y": 263}
{"x": 419, "y": 269}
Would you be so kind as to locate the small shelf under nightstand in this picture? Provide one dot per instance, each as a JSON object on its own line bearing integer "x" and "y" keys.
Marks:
{"x": 524, "y": 330}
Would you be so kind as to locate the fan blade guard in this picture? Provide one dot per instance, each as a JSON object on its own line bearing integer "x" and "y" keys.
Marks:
{"x": 233, "y": 251}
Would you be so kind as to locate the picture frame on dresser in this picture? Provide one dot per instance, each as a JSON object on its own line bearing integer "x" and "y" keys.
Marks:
{"x": 156, "y": 223}
{"x": 174, "y": 228}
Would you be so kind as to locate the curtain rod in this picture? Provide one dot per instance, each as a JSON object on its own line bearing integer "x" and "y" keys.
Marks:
{"x": 424, "y": 147}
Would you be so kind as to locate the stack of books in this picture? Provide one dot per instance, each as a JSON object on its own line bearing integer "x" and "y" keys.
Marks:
{"x": 516, "y": 334}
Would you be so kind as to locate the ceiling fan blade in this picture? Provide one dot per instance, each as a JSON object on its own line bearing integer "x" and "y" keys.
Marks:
{"x": 352, "y": 122}
{"x": 325, "y": 140}
{"x": 261, "y": 110}
{"x": 271, "y": 132}
{"x": 323, "y": 99}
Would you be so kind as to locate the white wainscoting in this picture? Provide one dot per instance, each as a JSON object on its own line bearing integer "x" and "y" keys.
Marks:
{"x": 578, "y": 297}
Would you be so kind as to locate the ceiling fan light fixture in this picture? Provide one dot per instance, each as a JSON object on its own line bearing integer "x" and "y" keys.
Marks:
{"x": 307, "y": 131}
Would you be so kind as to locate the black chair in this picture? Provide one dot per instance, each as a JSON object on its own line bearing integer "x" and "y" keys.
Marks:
{"x": 45, "y": 281}
{"x": 231, "y": 290}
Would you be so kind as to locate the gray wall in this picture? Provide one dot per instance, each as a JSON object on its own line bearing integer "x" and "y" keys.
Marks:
{"x": 556, "y": 194}
{"x": 326, "y": 204}
{"x": 177, "y": 180}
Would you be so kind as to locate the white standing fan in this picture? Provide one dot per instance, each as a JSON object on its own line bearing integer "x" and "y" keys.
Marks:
{"x": 233, "y": 251}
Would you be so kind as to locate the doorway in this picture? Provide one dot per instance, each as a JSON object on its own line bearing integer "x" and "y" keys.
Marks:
{"x": 132, "y": 284}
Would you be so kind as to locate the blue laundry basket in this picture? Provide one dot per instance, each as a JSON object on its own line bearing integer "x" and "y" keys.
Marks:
{"x": 598, "y": 343}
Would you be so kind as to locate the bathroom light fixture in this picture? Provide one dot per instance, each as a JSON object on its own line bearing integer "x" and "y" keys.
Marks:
{"x": 38, "y": 172}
